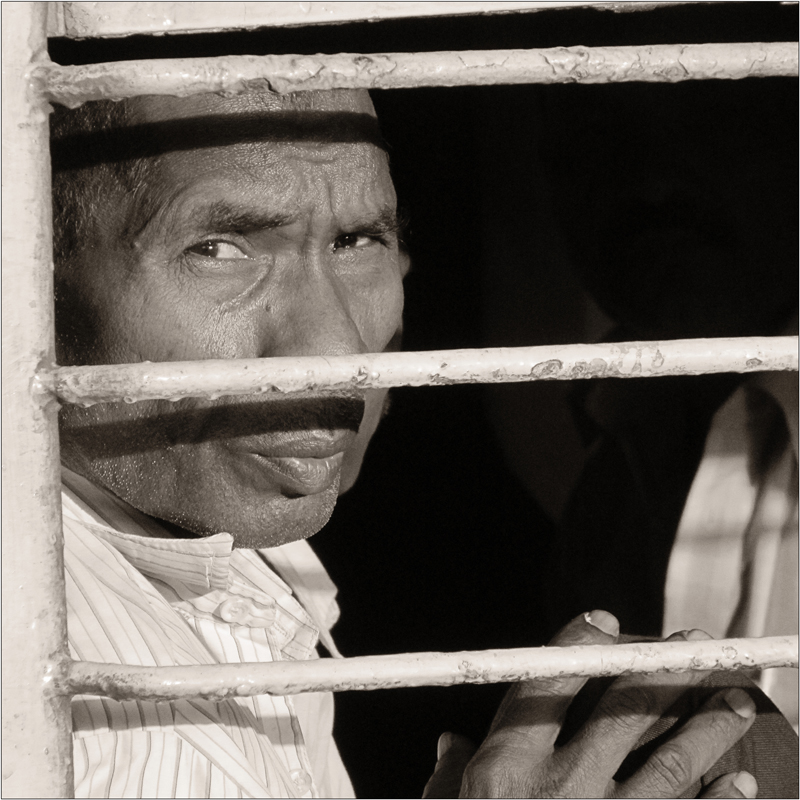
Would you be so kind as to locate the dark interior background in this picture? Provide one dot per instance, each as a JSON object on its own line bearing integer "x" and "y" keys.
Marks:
{"x": 439, "y": 546}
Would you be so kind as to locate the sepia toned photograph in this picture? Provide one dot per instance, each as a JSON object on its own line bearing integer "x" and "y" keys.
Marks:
{"x": 400, "y": 399}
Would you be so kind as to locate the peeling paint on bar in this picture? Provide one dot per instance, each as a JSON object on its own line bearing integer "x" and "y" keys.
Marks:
{"x": 219, "y": 681}
{"x": 273, "y": 377}
{"x": 292, "y": 73}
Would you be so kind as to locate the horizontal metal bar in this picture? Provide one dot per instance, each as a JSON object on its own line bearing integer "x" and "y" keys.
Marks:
{"x": 273, "y": 377}
{"x": 83, "y": 20}
{"x": 218, "y": 681}
{"x": 231, "y": 75}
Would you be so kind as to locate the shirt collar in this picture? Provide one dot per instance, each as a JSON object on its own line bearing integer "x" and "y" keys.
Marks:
{"x": 204, "y": 562}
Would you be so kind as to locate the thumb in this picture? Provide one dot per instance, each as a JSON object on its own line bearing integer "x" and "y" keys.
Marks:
{"x": 454, "y": 753}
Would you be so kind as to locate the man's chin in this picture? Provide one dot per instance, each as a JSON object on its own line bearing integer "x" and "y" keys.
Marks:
{"x": 202, "y": 497}
{"x": 276, "y": 521}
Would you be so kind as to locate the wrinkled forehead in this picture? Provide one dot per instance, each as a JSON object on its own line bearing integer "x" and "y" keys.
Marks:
{"x": 154, "y": 127}
{"x": 279, "y": 146}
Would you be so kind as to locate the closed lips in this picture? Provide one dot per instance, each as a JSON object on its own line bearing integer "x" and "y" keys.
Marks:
{"x": 304, "y": 475}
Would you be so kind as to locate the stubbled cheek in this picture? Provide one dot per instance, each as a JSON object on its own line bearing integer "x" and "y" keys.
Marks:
{"x": 387, "y": 317}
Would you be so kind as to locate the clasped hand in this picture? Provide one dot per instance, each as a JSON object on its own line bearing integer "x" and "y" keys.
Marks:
{"x": 520, "y": 756}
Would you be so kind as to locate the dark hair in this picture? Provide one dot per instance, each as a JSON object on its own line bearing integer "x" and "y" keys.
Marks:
{"x": 81, "y": 185}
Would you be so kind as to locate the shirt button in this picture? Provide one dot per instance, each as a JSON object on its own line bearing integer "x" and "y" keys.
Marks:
{"x": 234, "y": 610}
{"x": 301, "y": 779}
{"x": 244, "y": 611}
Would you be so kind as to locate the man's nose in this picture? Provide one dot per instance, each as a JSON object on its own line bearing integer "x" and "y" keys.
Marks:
{"x": 318, "y": 319}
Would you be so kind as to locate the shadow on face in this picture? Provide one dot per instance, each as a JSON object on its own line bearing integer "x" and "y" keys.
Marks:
{"x": 82, "y": 149}
{"x": 159, "y": 425}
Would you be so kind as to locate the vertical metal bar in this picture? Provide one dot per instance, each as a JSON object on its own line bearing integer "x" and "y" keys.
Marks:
{"x": 37, "y": 742}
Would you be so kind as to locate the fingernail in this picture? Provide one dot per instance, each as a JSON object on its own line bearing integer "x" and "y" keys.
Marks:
{"x": 603, "y": 621}
{"x": 445, "y": 743}
{"x": 677, "y": 636}
{"x": 740, "y": 702}
{"x": 746, "y": 784}
{"x": 697, "y": 635}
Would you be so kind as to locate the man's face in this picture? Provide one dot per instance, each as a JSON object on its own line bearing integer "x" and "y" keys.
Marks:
{"x": 270, "y": 244}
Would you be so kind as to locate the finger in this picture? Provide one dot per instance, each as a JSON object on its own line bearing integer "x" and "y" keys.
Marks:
{"x": 453, "y": 754}
{"x": 687, "y": 756}
{"x": 734, "y": 784}
{"x": 626, "y": 711}
{"x": 532, "y": 712}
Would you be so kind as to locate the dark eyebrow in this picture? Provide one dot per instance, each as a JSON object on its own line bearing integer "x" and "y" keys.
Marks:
{"x": 387, "y": 220}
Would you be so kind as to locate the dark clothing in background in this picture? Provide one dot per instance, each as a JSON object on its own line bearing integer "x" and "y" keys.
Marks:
{"x": 692, "y": 233}
{"x": 647, "y": 438}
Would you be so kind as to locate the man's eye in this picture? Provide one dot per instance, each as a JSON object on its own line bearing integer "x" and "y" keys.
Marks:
{"x": 349, "y": 241}
{"x": 214, "y": 248}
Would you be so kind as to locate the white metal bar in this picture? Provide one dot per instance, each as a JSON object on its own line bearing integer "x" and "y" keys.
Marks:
{"x": 218, "y": 681}
{"x": 272, "y": 377}
{"x": 72, "y": 86}
{"x": 84, "y": 20}
{"x": 37, "y": 741}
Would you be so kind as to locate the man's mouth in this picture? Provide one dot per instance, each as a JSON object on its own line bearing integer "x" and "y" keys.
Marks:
{"x": 308, "y": 444}
{"x": 302, "y": 476}
{"x": 306, "y": 464}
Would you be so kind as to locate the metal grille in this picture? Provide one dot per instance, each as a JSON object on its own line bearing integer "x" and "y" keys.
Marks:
{"x": 41, "y": 677}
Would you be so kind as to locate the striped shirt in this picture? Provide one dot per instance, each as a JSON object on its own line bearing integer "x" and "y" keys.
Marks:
{"x": 137, "y": 595}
